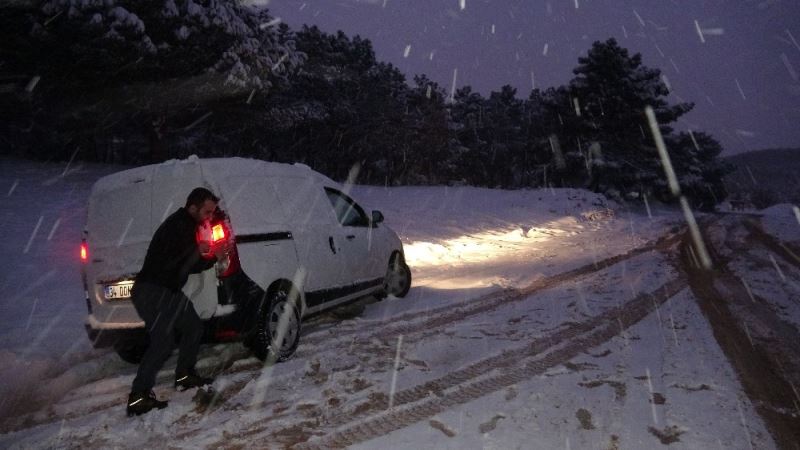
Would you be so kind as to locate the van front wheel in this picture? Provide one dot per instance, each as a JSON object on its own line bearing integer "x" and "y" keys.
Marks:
{"x": 397, "y": 281}
{"x": 278, "y": 332}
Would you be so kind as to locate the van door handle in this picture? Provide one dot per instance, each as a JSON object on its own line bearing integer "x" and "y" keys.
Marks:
{"x": 350, "y": 237}
{"x": 330, "y": 241}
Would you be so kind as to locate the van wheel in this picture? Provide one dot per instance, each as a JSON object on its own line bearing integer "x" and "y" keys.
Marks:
{"x": 397, "y": 281}
{"x": 278, "y": 331}
{"x": 131, "y": 351}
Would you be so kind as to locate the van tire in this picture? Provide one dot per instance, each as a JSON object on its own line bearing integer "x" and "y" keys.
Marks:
{"x": 282, "y": 306}
{"x": 397, "y": 281}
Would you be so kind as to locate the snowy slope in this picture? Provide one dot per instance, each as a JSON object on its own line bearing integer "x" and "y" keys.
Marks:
{"x": 519, "y": 332}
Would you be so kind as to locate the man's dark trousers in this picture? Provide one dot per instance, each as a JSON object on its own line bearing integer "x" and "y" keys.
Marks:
{"x": 167, "y": 315}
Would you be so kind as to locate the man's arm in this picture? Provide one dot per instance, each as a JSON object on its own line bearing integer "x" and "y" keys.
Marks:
{"x": 187, "y": 250}
{"x": 201, "y": 264}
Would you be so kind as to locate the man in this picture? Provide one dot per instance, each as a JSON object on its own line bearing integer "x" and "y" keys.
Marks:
{"x": 173, "y": 254}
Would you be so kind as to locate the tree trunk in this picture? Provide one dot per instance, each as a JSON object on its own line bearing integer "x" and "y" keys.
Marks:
{"x": 156, "y": 132}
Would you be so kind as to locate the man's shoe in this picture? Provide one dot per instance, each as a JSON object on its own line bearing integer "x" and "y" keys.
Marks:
{"x": 140, "y": 403}
{"x": 190, "y": 380}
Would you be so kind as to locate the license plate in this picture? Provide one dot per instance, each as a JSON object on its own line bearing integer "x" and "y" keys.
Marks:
{"x": 118, "y": 290}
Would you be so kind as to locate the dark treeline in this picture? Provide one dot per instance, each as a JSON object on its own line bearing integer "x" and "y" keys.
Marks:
{"x": 765, "y": 177}
{"x": 138, "y": 81}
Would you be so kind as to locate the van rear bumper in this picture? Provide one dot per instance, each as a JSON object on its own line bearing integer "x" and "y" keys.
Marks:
{"x": 104, "y": 334}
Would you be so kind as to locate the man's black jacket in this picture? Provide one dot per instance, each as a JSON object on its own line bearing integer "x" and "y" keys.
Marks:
{"x": 173, "y": 253}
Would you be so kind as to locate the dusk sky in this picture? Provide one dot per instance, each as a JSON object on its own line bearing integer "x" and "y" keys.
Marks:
{"x": 738, "y": 61}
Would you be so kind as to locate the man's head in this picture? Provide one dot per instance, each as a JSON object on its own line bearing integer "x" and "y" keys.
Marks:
{"x": 200, "y": 204}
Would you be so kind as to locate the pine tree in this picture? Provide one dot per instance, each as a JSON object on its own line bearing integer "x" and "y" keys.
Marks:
{"x": 141, "y": 66}
{"x": 344, "y": 109}
{"x": 610, "y": 93}
{"x": 431, "y": 159}
{"x": 503, "y": 115}
{"x": 554, "y": 140}
{"x": 695, "y": 156}
{"x": 469, "y": 124}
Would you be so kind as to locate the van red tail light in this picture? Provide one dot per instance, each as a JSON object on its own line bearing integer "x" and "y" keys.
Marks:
{"x": 84, "y": 252}
{"x": 217, "y": 233}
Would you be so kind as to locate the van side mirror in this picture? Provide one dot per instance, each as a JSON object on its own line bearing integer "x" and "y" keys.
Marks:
{"x": 377, "y": 217}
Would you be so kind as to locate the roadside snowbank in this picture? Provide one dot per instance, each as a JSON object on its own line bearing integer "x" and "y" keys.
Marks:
{"x": 783, "y": 222}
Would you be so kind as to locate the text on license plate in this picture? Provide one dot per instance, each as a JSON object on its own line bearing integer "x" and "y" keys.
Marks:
{"x": 118, "y": 290}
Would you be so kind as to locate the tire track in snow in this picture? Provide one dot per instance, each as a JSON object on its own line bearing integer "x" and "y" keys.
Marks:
{"x": 486, "y": 376}
{"x": 764, "y": 357}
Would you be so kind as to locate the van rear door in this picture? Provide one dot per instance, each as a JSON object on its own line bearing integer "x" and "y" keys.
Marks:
{"x": 118, "y": 223}
{"x": 117, "y": 234}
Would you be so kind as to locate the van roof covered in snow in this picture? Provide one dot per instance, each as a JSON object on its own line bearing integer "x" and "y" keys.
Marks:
{"x": 260, "y": 197}
{"x": 214, "y": 168}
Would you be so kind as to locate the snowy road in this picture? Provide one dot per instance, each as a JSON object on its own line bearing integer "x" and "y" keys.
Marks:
{"x": 577, "y": 330}
{"x": 751, "y": 299}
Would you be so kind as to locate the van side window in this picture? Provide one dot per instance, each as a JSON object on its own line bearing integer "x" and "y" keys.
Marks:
{"x": 347, "y": 211}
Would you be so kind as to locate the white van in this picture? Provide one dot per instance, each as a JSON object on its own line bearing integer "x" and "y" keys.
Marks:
{"x": 302, "y": 245}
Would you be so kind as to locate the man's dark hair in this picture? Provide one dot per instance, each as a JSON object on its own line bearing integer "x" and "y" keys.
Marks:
{"x": 198, "y": 196}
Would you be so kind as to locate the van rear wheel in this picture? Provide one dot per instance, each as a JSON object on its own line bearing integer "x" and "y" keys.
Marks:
{"x": 278, "y": 330}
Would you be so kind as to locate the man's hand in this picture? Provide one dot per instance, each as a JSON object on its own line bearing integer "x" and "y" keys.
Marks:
{"x": 224, "y": 310}
{"x": 222, "y": 250}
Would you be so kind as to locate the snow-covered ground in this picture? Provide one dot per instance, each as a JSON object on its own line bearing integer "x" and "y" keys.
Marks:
{"x": 537, "y": 319}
